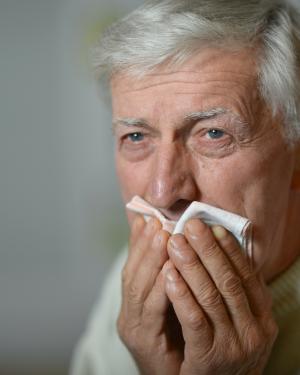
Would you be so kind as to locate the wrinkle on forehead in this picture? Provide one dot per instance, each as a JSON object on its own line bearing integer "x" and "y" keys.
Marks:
{"x": 234, "y": 79}
{"x": 211, "y": 79}
{"x": 191, "y": 82}
{"x": 210, "y": 64}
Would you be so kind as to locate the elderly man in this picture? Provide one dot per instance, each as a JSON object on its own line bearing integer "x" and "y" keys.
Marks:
{"x": 205, "y": 99}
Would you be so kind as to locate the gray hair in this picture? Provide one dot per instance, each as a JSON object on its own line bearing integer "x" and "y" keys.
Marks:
{"x": 172, "y": 31}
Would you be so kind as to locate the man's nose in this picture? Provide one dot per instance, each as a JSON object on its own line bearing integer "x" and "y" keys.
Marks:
{"x": 171, "y": 177}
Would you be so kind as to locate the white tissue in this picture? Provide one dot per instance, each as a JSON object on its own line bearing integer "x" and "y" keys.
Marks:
{"x": 239, "y": 226}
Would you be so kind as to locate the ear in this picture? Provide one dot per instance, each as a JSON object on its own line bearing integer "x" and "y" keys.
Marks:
{"x": 296, "y": 176}
{"x": 297, "y": 164}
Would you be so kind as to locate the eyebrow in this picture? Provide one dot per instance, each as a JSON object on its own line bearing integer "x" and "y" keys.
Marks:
{"x": 129, "y": 122}
{"x": 203, "y": 115}
{"x": 191, "y": 117}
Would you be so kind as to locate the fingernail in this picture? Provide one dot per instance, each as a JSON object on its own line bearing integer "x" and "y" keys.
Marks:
{"x": 219, "y": 232}
{"x": 172, "y": 275}
{"x": 158, "y": 239}
{"x": 173, "y": 242}
{"x": 193, "y": 226}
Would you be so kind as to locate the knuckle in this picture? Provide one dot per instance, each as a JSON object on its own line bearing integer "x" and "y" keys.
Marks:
{"x": 135, "y": 294}
{"x": 234, "y": 351}
{"x": 256, "y": 340}
{"x": 206, "y": 289}
{"x": 190, "y": 262}
{"x": 128, "y": 335}
{"x": 132, "y": 341}
{"x": 257, "y": 346}
{"x": 182, "y": 291}
{"x": 126, "y": 279}
{"x": 196, "y": 321}
{"x": 121, "y": 329}
{"x": 211, "y": 299}
{"x": 231, "y": 246}
{"x": 231, "y": 284}
{"x": 210, "y": 250}
{"x": 236, "y": 357}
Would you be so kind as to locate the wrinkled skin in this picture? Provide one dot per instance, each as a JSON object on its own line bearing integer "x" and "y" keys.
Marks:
{"x": 191, "y": 303}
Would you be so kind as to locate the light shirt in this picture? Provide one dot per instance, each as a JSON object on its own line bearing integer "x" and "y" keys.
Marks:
{"x": 101, "y": 352}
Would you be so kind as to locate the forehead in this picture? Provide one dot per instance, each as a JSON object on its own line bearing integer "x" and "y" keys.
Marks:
{"x": 212, "y": 78}
{"x": 210, "y": 61}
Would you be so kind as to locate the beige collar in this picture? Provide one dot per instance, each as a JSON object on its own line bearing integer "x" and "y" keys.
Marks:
{"x": 286, "y": 291}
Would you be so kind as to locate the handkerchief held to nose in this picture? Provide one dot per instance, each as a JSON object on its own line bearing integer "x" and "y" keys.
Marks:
{"x": 239, "y": 226}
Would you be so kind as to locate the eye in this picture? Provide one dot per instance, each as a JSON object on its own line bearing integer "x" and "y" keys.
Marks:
{"x": 135, "y": 137}
{"x": 135, "y": 146}
{"x": 215, "y": 134}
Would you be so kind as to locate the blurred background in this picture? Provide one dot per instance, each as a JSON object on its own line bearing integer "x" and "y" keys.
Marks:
{"x": 61, "y": 217}
{"x": 62, "y": 221}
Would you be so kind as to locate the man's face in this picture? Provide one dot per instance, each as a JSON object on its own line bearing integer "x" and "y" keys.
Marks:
{"x": 202, "y": 133}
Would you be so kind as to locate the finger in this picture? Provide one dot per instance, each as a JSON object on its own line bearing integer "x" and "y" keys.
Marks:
{"x": 200, "y": 283}
{"x": 133, "y": 307}
{"x": 258, "y": 296}
{"x": 151, "y": 265}
{"x": 143, "y": 280}
{"x": 140, "y": 248}
{"x": 156, "y": 307}
{"x": 137, "y": 228}
{"x": 196, "y": 330}
{"x": 221, "y": 271}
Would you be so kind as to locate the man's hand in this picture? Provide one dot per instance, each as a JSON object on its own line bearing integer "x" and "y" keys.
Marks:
{"x": 223, "y": 307}
{"x": 146, "y": 323}
{"x": 220, "y": 321}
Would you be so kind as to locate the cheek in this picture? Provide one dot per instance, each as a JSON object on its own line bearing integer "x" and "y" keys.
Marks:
{"x": 221, "y": 183}
{"x": 246, "y": 183}
{"x": 255, "y": 185}
{"x": 252, "y": 187}
{"x": 132, "y": 178}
